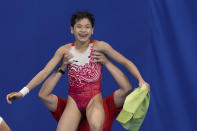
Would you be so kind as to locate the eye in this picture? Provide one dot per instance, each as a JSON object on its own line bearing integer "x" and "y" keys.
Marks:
{"x": 78, "y": 26}
{"x": 88, "y": 27}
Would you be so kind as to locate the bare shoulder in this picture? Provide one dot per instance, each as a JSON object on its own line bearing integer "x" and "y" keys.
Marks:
{"x": 67, "y": 46}
{"x": 101, "y": 45}
{"x": 64, "y": 48}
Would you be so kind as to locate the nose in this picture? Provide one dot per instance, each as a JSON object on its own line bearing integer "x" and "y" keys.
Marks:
{"x": 83, "y": 29}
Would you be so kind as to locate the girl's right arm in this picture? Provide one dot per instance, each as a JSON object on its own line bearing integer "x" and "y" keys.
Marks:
{"x": 40, "y": 77}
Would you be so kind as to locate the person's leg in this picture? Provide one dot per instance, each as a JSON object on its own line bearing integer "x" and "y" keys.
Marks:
{"x": 95, "y": 113}
{"x": 70, "y": 118}
{"x": 3, "y": 126}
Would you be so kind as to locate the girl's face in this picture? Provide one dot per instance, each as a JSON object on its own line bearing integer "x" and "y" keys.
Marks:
{"x": 82, "y": 30}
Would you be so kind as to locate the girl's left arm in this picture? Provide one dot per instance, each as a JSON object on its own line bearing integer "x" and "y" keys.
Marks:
{"x": 109, "y": 51}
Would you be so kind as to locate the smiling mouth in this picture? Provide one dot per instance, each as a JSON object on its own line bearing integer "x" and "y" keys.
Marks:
{"x": 83, "y": 35}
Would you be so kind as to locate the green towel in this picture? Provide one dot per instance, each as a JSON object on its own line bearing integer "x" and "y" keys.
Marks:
{"x": 134, "y": 109}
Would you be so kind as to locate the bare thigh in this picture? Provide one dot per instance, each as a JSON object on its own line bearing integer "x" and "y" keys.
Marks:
{"x": 95, "y": 113}
{"x": 70, "y": 118}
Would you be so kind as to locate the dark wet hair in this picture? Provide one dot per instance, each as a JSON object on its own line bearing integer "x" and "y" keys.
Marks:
{"x": 81, "y": 15}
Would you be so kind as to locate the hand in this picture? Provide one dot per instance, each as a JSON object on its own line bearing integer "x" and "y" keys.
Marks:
{"x": 141, "y": 82}
{"x": 13, "y": 96}
{"x": 100, "y": 57}
{"x": 65, "y": 60}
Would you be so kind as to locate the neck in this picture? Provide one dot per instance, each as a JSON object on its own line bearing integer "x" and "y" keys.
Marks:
{"x": 80, "y": 44}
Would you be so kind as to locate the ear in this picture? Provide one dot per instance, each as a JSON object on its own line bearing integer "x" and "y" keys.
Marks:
{"x": 92, "y": 31}
{"x": 71, "y": 30}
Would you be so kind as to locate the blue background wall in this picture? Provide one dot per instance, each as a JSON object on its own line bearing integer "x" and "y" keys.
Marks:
{"x": 157, "y": 35}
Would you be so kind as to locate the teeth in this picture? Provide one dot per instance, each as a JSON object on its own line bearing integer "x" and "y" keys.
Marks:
{"x": 83, "y": 35}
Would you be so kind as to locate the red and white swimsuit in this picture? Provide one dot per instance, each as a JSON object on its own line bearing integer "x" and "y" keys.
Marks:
{"x": 84, "y": 77}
